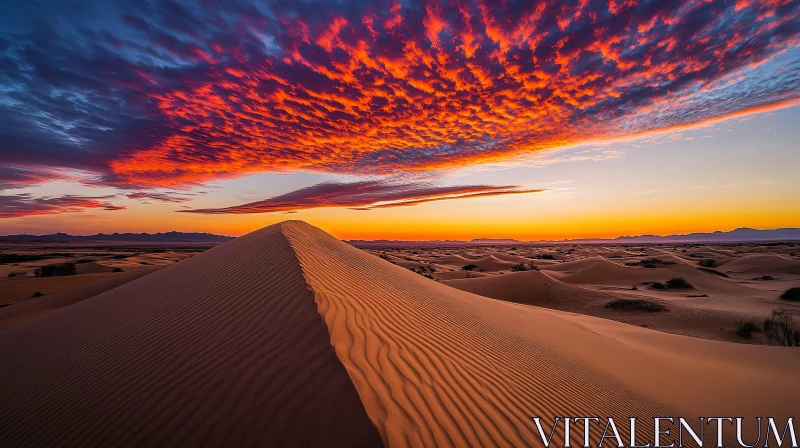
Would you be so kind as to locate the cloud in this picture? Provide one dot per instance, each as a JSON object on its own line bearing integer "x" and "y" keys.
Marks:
{"x": 162, "y": 197}
{"x": 176, "y": 93}
{"x": 365, "y": 195}
{"x": 22, "y": 205}
{"x": 15, "y": 177}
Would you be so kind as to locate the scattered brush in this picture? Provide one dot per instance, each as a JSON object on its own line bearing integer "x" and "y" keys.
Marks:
{"x": 117, "y": 270}
{"x": 765, "y": 277}
{"x": 791, "y": 294}
{"x": 56, "y": 270}
{"x": 746, "y": 329}
{"x": 779, "y": 329}
{"x": 648, "y": 263}
{"x": 469, "y": 267}
{"x": 678, "y": 283}
{"x": 647, "y": 306}
{"x": 37, "y": 294}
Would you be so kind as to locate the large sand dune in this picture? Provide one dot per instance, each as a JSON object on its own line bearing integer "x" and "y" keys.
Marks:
{"x": 287, "y": 336}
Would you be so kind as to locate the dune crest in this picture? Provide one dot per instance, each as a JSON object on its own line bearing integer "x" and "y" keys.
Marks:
{"x": 223, "y": 349}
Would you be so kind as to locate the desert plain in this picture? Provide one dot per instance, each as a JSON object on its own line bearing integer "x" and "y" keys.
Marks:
{"x": 288, "y": 336}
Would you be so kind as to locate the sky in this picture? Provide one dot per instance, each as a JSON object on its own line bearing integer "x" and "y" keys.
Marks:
{"x": 399, "y": 119}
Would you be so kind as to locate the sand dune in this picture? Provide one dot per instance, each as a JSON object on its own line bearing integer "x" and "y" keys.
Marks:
{"x": 532, "y": 288}
{"x": 289, "y": 337}
{"x": 223, "y": 349}
{"x": 763, "y": 263}
{"x": 436, "y": 366}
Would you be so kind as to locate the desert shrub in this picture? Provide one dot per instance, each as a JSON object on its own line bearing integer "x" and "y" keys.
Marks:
{"x": 117, "y": 270}
{"x": 120, "y": 256}
{"x": 779, "y": 329}
{"x": 636, "y": 305}
{"x": 384, "y": 256}
{"x": 85, "y": 260}
{"x": 707, "y": 263}
{"x": 422, "y": 271}
{"x": 678, "y": 283}
{"x": 648, "y": 263}
{"x": 545, "y": 257}
{"x": 519, "y": 268}
{"x": 15, "y": 273}
{"x": 37, "y": 294}
{"x": 533, "y": 267}
{"x": 765, "y": 277}
{"x": 19, "y": 258}
{"x": 469, "y": 267}
{"x": 791, "y": 294}
{"x": 56, "y": 270}
{"x": 746, "y": 329}
{"x": 657, "y": 285}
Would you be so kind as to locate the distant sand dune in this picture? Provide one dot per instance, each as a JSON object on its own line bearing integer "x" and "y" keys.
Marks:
{"x": 289, "y": 337}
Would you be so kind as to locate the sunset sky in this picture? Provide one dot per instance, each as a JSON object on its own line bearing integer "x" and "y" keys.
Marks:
{"x": 400, "y": 119}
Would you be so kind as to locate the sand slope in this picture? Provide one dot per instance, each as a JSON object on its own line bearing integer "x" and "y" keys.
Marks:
{"x": 439, "y": 367}
{"x": 289, "y": 337}
{"x": 531, "y": 288}
{"x": 223, "y": 349}
{"x": 763, "y": 263}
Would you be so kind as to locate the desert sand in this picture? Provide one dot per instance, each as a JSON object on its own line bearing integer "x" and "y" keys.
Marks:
{"x": 290, "y": 337}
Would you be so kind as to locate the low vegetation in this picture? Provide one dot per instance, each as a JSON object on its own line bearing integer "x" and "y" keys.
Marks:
{"x": 424, "y": 271}
{"x": 85, "y": 260}
{"x": 765, "y": 277}
{"x": 678, "y": 283}
{"x": 37, "y": 294}
{"x": 15, "y": 274}
{"x": 544, "y": 257}
{"x": 117, "y": 270}
{"x": 56, "y": 270}
{"x": 524, "y": 267}
{"x": 647, "y": 306}
{"x": 791, "y": 294}
{"x": 746, "y": 329}
{"x": 649, "y": 263}
{"x": 469, "y": 267}
{"x": 707, "y": 263}
{"x": 779, "y": 330}
{"x": 21, "y": 258}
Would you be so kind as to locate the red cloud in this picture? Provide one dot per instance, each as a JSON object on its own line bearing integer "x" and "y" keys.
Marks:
{"x": 21, "y": 205}
{"x": 448, "y": 84}
{"x": 364, "y": 195}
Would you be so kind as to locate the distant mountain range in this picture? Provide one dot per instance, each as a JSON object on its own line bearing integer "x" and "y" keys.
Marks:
{"x": 167, "y": 237}
{"x": 740, "y": 235}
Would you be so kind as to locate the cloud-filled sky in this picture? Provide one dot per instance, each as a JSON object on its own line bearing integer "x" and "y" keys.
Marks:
{"x": 152, "y": 101}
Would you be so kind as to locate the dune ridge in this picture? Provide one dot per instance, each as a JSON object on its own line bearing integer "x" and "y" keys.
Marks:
{"x": 223, "y": 349}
